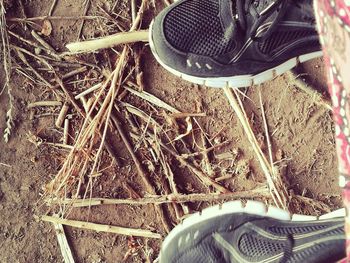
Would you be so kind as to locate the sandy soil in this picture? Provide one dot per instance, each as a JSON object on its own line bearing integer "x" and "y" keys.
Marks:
{"x": 301, "y": 131}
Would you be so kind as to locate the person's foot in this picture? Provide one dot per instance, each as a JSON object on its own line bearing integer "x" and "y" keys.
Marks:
{"x": 234, "y": 43}
{"x": 254, "y": 233}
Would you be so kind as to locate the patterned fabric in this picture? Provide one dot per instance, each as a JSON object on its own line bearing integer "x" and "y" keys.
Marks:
{"x": 333, "y": 18}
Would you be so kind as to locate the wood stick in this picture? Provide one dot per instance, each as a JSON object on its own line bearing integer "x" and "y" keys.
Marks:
{"x": 46, "y": 103}
{"x": 133, "y": 10}
{"x": 73, "y": 73}
{"x": 63, "y": 243}
{"x": 86, "y": 8}
{"x": 25, "y": 61}
{"x": 46, "y": 45}
{"x": 40, "y": 18}
{"x": 70, "y": 74}
{"x": 304, "y": 86}
{"x": 70, "y": 96}
{"x": 140, "y": 170}
{"x": 66, "y": 131}
{"x": 269, "y": 146}
{"x": 258, "y": 152}
{"x": 84, "y": 102}
{"x": 109, "y": 41}
{"x": 102, "y": 228}
{"x": 260, "y": 192}
{"x": 153, "y": 99}
{"x": 88, "y": 91}
{"x": 205, "y": 179}
{"x": 52, "y": 7}
{"x": 62, "y": 115}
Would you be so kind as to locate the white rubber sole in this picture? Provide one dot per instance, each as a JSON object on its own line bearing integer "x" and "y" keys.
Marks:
{"x": 237, "y": 81}
{"x": 250, "y": 207}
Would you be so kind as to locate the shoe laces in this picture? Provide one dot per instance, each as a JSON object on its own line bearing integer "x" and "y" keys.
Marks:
{"x": 274, "y": 7}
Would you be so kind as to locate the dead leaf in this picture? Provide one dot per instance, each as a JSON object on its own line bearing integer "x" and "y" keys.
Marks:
{"x": 47, "y": 28}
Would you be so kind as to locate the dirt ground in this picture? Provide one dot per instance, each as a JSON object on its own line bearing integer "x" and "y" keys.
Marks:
{"x": 301, "y": 133}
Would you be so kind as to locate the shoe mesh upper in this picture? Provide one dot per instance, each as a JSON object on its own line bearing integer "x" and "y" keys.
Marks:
{"x": 204, "y": 252}
{"x": 279, "y": 39}
{"x": 285, "y": 230}
{"x": 254, "y": 247}
{"x": 194, "y": 27}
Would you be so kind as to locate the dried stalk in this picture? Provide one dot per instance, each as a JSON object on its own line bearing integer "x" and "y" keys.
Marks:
{"x": 41, "y": 18}
{"x": 205, "y": 179}
{"x": 141, "y": 172}
{"x": 275, "y": 173}
{"x": 86, "y": 8}
{"x": 315, "y": 95}
{"x": 5, "y": 46}
{"x": 88, "y": 91}
{"x": 44, "y": 104}
{"x": 77, "y": 156}
{"x": 52, "y": 7}
{"x": 108, "y": 42}
{"x": 48, "y": 48}
{"x": 152, "y": 99}
{"x": 261, "y": 192}
{"x": 63, "y": 242}
{"x": 102, "y": 228}
{"x": 66, "y": 132}
{"x": 279, "y": 200}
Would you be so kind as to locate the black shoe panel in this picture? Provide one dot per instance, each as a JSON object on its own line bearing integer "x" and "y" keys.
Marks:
{"x": 196, "y": 38}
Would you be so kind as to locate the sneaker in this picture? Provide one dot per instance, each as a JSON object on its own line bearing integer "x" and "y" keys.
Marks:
{"x": 251, "y": 233}
{"x": 235, "y": 43}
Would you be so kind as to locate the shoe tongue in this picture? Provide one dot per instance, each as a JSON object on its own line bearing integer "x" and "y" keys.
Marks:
{"x": 227, "y": 18}
{"x": 257, "y": 5}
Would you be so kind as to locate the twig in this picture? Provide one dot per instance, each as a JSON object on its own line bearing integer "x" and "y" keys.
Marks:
{"x": 59, "y": 145}
{"x": 153, "y": 99}
{"x": 86, "y": 8}
{"x": 88, "y": 91}
{"x": 63, "y": 243}
{"x": 275, "y": 173}
{"x": 304, "y": 86}
{"x": 44, "y": 104}
{"x": 73, "y": 73}
{"x": 25, "y": 61}
{"x": 6, "y": 57}
{"x": 261, "y": 192}
{"x": 205, "y": 179}
{"x": 70, "y": 96}
{"x": 132, "y": 193}
{"x": 136, "y": 23}
{"x": 66, "y": 131}
{"x": 133, "y": 10}
{"x": 187, "y": 114}
{"x": 279, "y": 200}
{"x": 6, "y": 165}
{"x": 108, "y": 42}
{"x": 269, "y": 146}
{"x": 102, "y": 228}
{"x": 205, "y": 155}
{"x": 52, "y": 7}
{"x": 140, "y": 169}
{"x": 40, "y": 18}
{"x": 84, "y": 102}
{"x": 49, "y": 49}
{"x": 70, "y": 74}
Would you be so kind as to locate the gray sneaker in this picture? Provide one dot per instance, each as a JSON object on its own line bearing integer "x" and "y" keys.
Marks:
{"x": 253, "y": 233}
{"x": 234, "y": 42}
